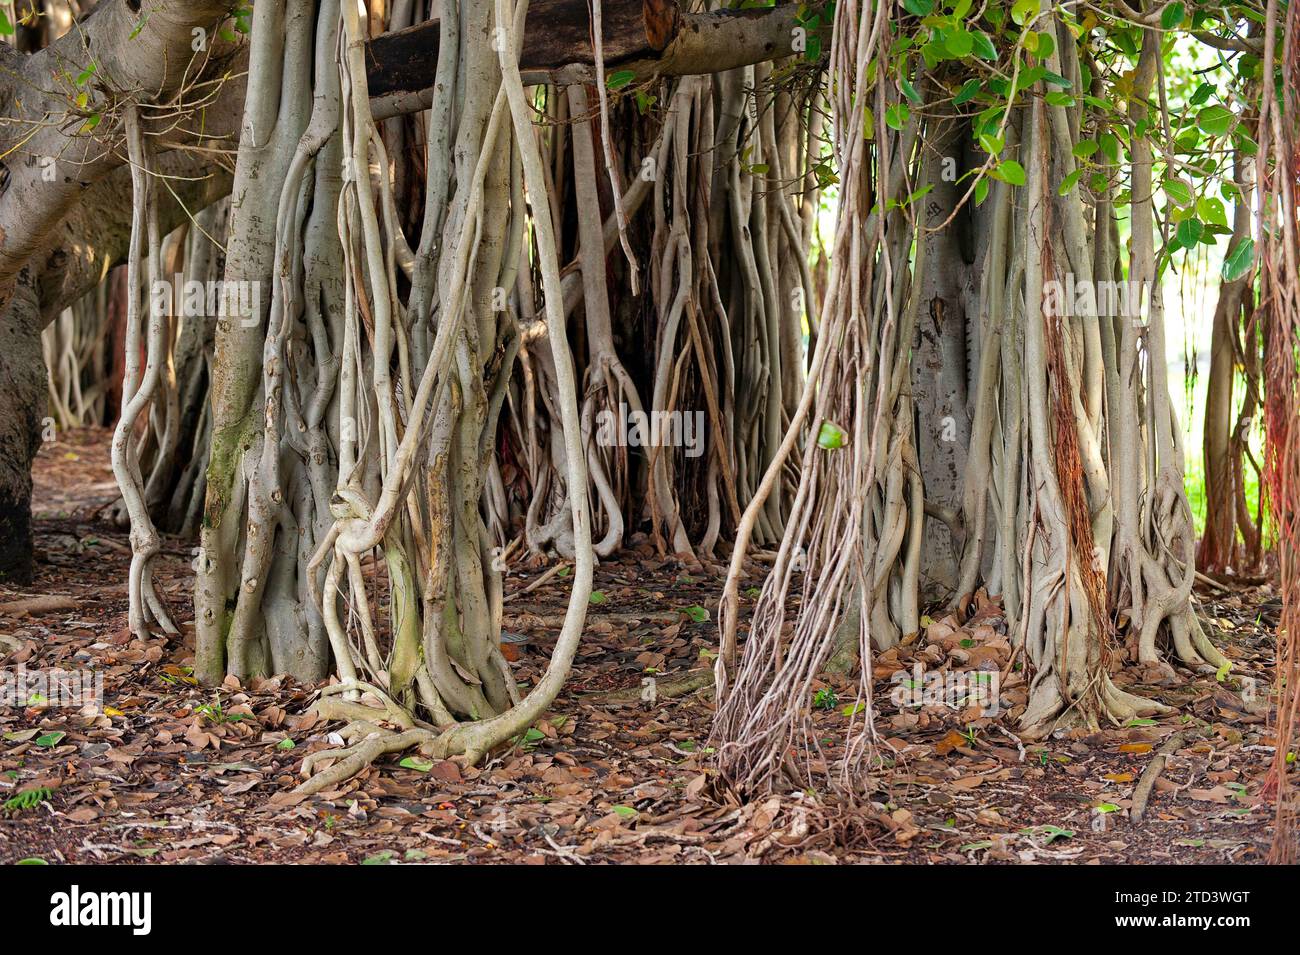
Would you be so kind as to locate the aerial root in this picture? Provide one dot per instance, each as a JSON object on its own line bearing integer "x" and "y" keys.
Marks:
{"x": 352, "y": 760}
{"x": 368, "y": 741}
{"x": 1115, "y": 706}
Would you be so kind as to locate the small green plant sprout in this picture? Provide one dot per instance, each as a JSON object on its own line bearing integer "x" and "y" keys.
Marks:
{"x": 825, "y": 699}
{"x": 28, "y": 799}
{"x": 528, "y": 740}
{"x": 1049, "y": 834}
{"x": 831, "y": 437}
{"x": 697, "y": 613}
{"x": 213, "y": 712}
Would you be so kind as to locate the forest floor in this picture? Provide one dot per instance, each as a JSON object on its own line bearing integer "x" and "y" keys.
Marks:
{"x": 173, "y": 772}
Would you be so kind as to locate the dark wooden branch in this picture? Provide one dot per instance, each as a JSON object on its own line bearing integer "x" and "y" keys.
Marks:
{"x": 648, "y": 37}
{"x": 557, "y": 33}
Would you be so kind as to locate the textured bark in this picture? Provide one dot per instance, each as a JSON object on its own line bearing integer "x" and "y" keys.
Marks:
{"x": 135, "y": 46}
{"x": 650, "y": 40}
{"x": 22, "y": 404}
{"x": 90, "y": 241}
{"x": 942, "y": 359}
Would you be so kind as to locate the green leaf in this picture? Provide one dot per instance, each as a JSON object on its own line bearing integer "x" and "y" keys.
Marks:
{"x": 1215, "y": 120}
{"x": 831, "y": 436}
{"x": 1202, "y": 94}
{"x": 1022, "y": 10}
{"x": 1107, "y": 807}
{"x": 981, "y": 191}
{"x": 1178, "y": 192}
{"x": 6, "y": 29}
{"x": 286, "y": 744}
{"x": 50, "y": 740}
{"x": 896, "y": 116}
{"x": 1085, "y": 148}
{"x": 1051, "y": 832}
{"x": 983, "y": 47}
{"x": 32, "y": 860}
{"x": 966, "y": 93}
{"x": 909, "y": 90}
{"x": 1011, "y": 171}
{"x": 419, "y": 765}
{"x": 1109, "y": 146}
{"x": 627, "y": 812}
{"x": 1239, "y": 261}
{"x": 1189, "y": 232}
{"x": 697, "y": 613}
{"x": 959, "y": 42}
{"x": 1172, "y": 16}
{"x": 1210, "y": 210}
{"x": 597, "y": 597}
{"x": 619, "y": 79}
{"x": 379, "y": 858}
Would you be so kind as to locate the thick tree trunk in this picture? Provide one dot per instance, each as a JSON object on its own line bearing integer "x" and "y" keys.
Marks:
{"x": 943, "y": 355}
{"x": 22, "y": 407}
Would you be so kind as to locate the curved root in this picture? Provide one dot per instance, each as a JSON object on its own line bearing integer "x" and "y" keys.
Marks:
{"x": 1049, "y": 712}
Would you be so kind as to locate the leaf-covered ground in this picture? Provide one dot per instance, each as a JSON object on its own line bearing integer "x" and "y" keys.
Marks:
{"x": 173, "y": 772}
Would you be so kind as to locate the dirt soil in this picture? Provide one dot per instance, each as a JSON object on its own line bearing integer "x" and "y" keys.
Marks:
{"x": 168, "y": 771}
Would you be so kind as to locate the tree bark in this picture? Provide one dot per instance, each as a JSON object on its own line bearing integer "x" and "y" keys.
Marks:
{"x": 22, "y": 404}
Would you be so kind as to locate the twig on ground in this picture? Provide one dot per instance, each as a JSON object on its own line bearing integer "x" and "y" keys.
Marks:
{"x": 1142, "y": 791}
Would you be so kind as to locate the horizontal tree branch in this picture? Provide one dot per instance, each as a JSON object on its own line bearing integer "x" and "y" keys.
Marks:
{"x": 648, "y": 38}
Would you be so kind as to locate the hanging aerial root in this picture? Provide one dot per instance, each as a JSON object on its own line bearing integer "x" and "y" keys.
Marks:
{"x": 1279, "y": 271}
{"x": 138, "y": 388}
{"x": 452, "y": 622}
